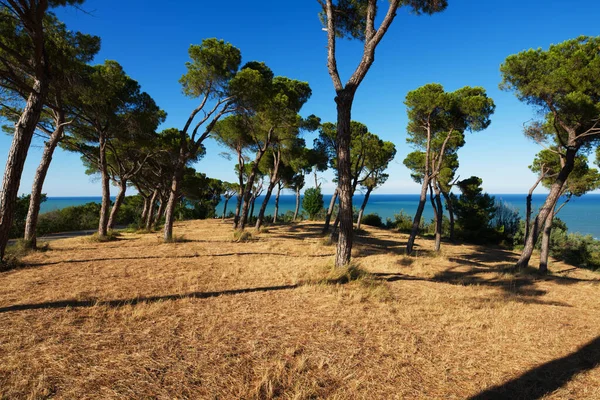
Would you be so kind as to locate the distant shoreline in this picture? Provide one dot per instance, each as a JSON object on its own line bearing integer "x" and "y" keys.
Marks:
{"x": 581, "y": 214}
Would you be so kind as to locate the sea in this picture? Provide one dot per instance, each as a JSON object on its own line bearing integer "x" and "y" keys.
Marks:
{"x": 581, "y": 214}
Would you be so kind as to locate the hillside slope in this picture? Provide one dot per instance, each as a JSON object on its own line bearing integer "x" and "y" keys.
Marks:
{"x": 207, "y": 317}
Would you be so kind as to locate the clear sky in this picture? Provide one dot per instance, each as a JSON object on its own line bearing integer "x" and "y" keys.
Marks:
{"x": 464, "y": 45}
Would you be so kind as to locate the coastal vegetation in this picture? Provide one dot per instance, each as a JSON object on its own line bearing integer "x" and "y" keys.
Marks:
{"x": 174, "y": 296}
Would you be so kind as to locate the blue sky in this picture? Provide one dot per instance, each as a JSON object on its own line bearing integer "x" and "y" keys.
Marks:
{"x": 464, "y": 45}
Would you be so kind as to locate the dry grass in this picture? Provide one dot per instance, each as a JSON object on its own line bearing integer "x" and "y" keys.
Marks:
{"x": 208, "y": 317}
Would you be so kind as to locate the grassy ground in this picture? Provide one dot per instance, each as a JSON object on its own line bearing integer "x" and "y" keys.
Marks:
{"x": 208, "y": 317}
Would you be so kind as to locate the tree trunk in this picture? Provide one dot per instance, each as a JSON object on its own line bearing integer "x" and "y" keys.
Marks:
{"x": 549, "y": 204}
{"x": 297, "y": 204}
{"x": 440, "y": 217}
{"x": 263, "y": 207}
{"x": 117, "y": 204}
{"x": 173, "y": 196}
{"x": 344, "y": 109}
{"x": 450, "y": 208}
{"x": 334, "y": 230}
{"x": 150, "y": 216}
{"x": 162, "y": 205}
{"x": 238, "y": 208}
{"x": 145, "y": 209}
{"x": 545, "y": 250}
{"x": 248, "y": 199}
{"x": 277, "y": 202}
{"x": 330, "y": 210}
{"x": 105, "y": 208}
{"x": 417, "y": 218}
{"x": 362, "y": 207}
{"x": 435, "y": 212}
{"x": 529, "y": 197}
{"x": 24, "y": 129}
{"x": 225, "y": 207}
{"x": 38, "y": 183}
{"x": 252, "y": 202}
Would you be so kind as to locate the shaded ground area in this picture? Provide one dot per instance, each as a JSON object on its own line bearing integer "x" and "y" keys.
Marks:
{"x": 208, "y": 317}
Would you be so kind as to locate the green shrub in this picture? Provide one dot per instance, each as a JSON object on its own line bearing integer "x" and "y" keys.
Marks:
{"x": 313, "y": 202}
{"x": 402, "y": 221}
{"x": 372, "y": 220}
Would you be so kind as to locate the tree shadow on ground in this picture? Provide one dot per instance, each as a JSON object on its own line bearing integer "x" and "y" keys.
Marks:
{"x": 183, "y": 256}
{"x": 546, "y": 378}
{"x": 518, "y": 286}
{"x": 137, "y": 300}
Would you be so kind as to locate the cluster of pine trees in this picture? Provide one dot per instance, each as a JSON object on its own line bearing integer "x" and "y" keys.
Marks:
{"x": 49, "y": 88}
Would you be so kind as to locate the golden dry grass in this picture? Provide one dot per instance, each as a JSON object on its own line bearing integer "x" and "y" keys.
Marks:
{"x": 209, "y": 317}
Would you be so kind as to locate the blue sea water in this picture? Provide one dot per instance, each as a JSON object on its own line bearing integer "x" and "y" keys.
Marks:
{"x": 581, "y": 214}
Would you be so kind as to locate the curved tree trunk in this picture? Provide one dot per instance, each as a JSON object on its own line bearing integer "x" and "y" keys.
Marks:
{"x": 117, "y": 204}
{"x": 105, "y": 208}
{"x": 549, "y": 204}
{"x": 225, "y": 207}
{"x": 151, "y": 208}
{"x": 418, "y": 215}
{"x": 529, "y": 197}
{"x": 362, "y": 207}
{"x": 277, "y": 202}
{"x": 330, "y": 210}
{"x": 297, "y": 203}
{"x": 263, "y": 207}
{"x": 173, "y": 196}
{"x": 344, "y": 244}
{"x": 162, "y": 212}
{"x": 545, "y": 249}
{"x": 30, "y": 236}
{"x": 24, "y": 129}
{"x": 145, "y": 209}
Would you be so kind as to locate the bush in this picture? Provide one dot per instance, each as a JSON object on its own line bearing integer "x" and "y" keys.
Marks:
{"x": 372, "y": 220}
{"x": 402, "y": 221}
{"x": 313, "y": 202}
{"x": 507, "y": 223}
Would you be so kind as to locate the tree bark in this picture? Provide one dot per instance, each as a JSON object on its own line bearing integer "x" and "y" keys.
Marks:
{"x": 297, "y": 204}
{"x": 225, "y": 207}
{"x": 545, "y": 249}
{"x": 248, "y": 199}
{"x": 161, "y": 211}
{"x": 252, "y": 202}
{"x": 418, "y": 215}
{"x": 344, "y": 243}
{"x": 529, "y": 197}
{"x": 238, "y": 208}
{"x": 105, "y": 208}
{"x": 439, "y": 218}
{"x": 263, "y": 207}
{"x": 330, "y": 210}
{"x": 334, "y": 230}
{"x": 30, "y": 236}
{"x": 450, "y": 208}
{"x": 151, "y": 208}
{"x": 145, "y": 209}
{"x": 277, "y": 202}
{"x": 549, "y": 204}
{"x": 173, "y": 196}
{"x": 24, "y": 129}
{"x": 362, "y": 207}
{"x": 117, "y": 205}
